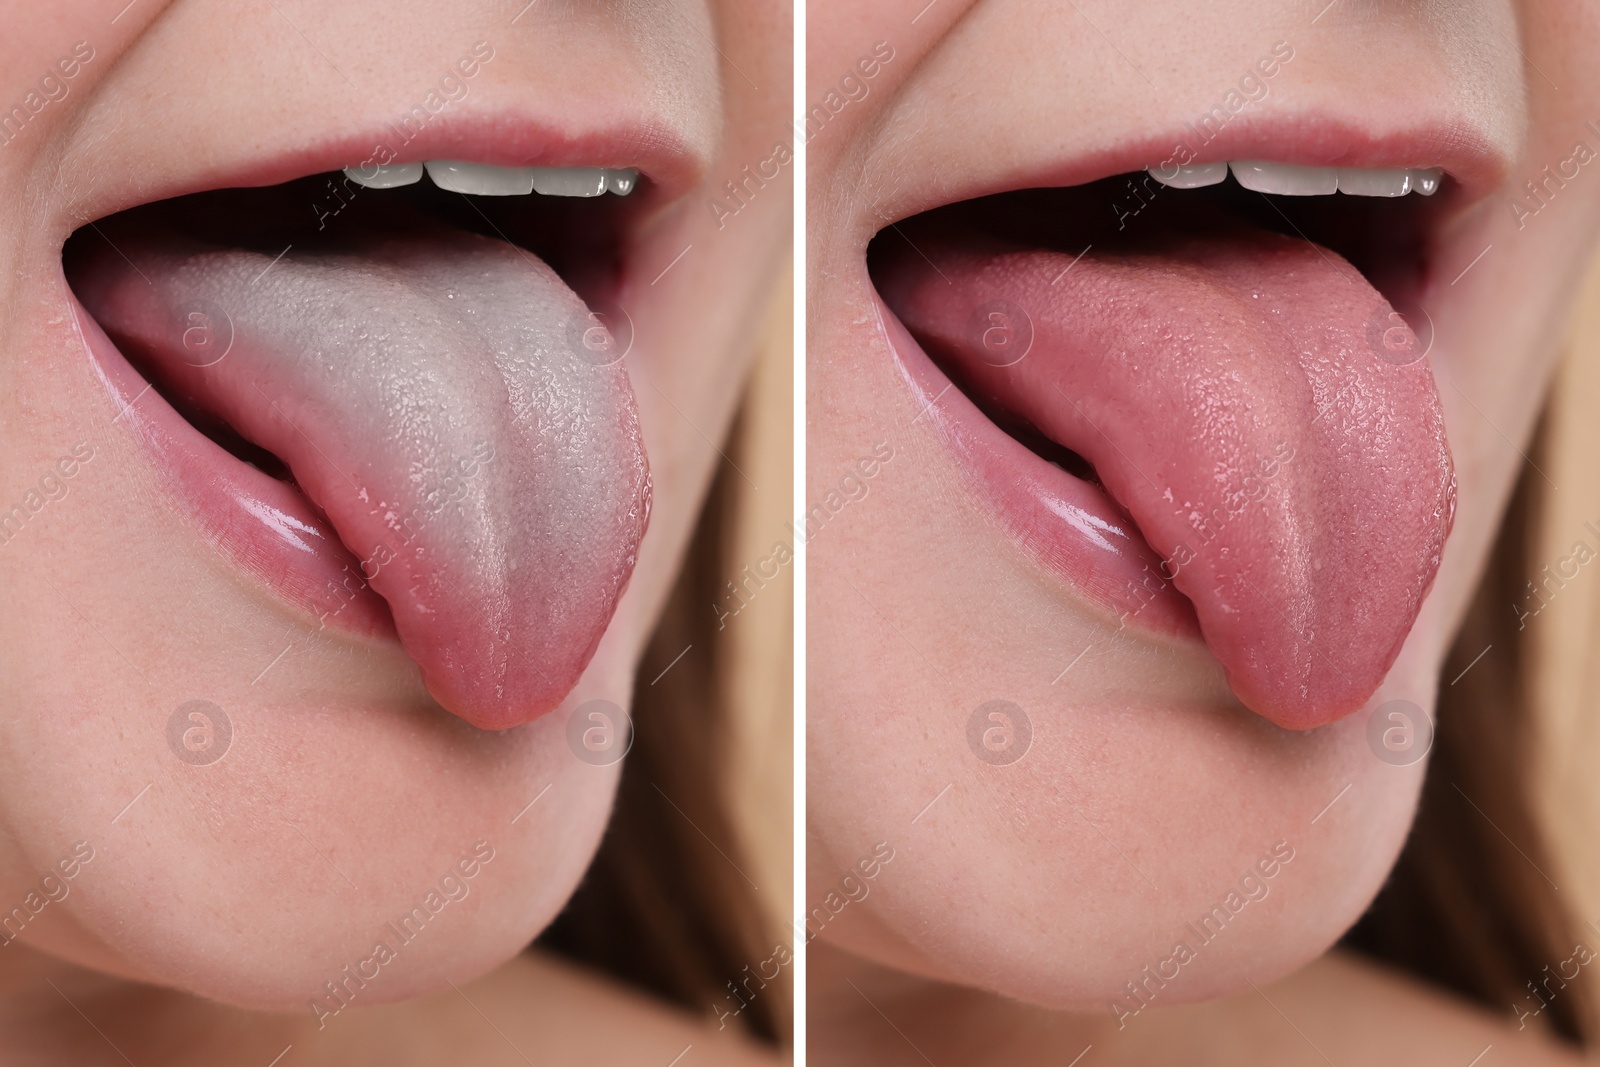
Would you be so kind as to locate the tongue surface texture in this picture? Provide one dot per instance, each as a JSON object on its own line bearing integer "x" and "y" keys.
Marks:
{"x": 428, "y": 396}
{"x": 1247, "y": 398}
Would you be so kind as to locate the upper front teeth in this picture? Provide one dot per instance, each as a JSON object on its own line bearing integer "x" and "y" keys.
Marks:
{"x": 1287, "y": 180}
{"x": 387, "y": 176}
{"x": 481, "y": 179}
{"x": 1192, "y": 177}
{"x": 1376, "y": 182}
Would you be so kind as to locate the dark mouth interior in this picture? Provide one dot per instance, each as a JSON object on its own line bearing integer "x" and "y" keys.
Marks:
{"x": 1385, "y": 238}
{"x": 580, "y": 238}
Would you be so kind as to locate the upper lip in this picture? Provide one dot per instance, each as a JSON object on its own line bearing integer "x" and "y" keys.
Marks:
{"x": 1468, "y": 154}
{"x": 668, "y": 157}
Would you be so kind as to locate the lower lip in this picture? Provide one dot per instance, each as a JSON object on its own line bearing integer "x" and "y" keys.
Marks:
{"x": 261, "y": 524}
{"x": 1066, "y": 524}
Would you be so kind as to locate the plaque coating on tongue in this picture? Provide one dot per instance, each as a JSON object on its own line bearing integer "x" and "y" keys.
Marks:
{"x": 434, "y": 397}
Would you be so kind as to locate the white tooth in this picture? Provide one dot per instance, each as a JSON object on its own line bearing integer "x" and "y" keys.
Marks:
{"x": 621, "y": 182}
{"x": 1426, "y": 182}
{"x": 480, "y": 179}
{"x": 1191, "y": 177}
{"x": 385, "y": 175}
{"x": 483, "y": 180}
{"x": 1285, "y": 180}
{"x": 569, "y": 181}
{"x": 1358, "y": 181}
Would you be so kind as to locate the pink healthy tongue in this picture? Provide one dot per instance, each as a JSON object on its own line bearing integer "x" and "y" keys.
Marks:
{"x": 427, "y": 395}
{"x": 1230, "y": 394}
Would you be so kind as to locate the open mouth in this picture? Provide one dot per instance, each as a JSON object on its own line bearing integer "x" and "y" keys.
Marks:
{"x": 1203, "y": 397}
{"x": 380, "y": 391}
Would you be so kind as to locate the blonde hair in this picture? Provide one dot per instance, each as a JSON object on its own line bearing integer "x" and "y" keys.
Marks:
{"x": 1564, "y": 648}
{"x": 1500, "y": 879}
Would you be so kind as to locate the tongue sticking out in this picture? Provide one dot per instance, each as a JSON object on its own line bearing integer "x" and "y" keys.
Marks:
{"x": 1240, "y": 395}
{"x": 428, "y": 396}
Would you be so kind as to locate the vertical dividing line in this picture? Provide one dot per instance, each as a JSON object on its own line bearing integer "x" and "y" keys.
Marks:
{"x": 802, "y": 551}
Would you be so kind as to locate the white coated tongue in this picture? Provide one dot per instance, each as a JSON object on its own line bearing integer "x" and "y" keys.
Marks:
{"x": 433, "y": 397}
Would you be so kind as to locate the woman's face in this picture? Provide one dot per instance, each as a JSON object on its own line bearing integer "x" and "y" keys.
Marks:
{"x": 246, "y": 739}
{"x": 1244, "y": 393}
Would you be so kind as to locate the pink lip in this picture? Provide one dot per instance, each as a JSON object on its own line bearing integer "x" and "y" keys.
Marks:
{"x": 1465, "y": 155}
{"x": 498, "y": 139}
{"x": 256, "y": 520}
{"x": 1068, "y": 524}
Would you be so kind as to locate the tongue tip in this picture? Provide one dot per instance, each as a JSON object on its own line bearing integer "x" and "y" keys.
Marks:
{"x": 497, "y": 685}
{"x": 498, "y": 721}
{"x": 499, "y": 709}
{"x": 1313, "y": 702}
{"x": 1301, "y": 711}
{"x": 1305, "y": 716}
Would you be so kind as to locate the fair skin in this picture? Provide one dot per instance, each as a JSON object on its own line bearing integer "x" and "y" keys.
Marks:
{"x": 221, "y": 897}
{"x": 1303, "y": 1019}
{"x": 1149, "y": 788}
{"x": 534, "y": 1008}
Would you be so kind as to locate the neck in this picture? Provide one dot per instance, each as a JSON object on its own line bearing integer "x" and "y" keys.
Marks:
{"x": 859, "y": 1011}
{"x": 53, "y": 1011}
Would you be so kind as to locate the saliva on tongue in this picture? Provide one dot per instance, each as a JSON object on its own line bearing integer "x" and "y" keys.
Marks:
{"x": 428, "y": 393}
{"x": 1238, "y": 394}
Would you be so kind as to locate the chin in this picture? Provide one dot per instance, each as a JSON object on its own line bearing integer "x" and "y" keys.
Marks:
{"x": 347, "y": 812}
{"x": 1130, "y": 807}
{"x": 1114, "y": 870}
